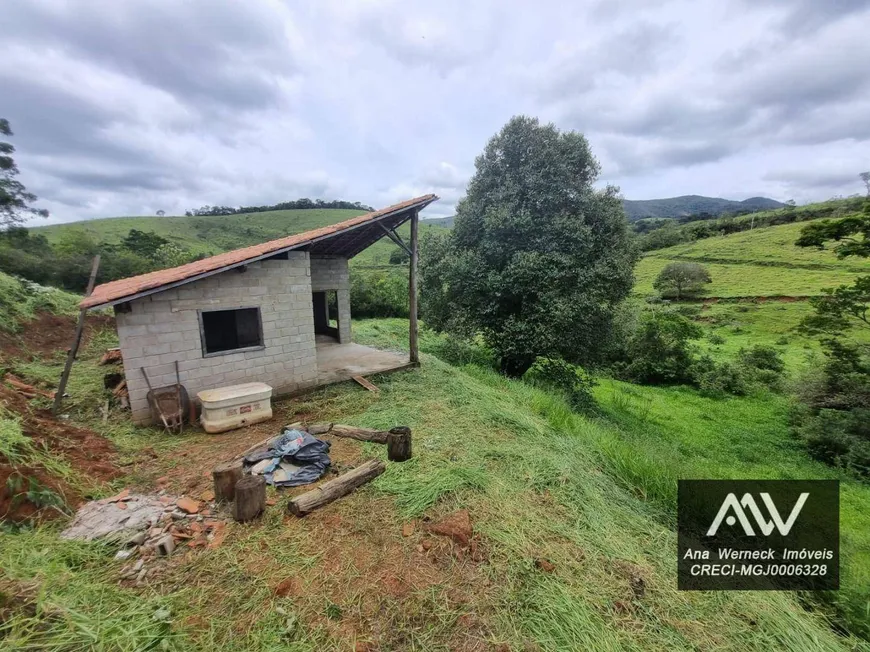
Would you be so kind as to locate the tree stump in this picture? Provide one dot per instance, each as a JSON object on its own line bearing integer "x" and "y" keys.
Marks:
{"x": 399, "y": 444}
{"x": 340, "y": 486}
{"x": 250, "y": 498}
{"x": 226, "y": 475}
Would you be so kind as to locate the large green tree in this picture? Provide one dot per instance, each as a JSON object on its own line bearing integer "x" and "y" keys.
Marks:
{"x": 538, "y": 257}
{"x": 835, "y": 422}
{"x": 14, "y": 199}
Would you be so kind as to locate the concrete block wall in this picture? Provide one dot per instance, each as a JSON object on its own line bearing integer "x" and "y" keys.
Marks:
{"x": 164, "y": 327}
{"x": 333, "y": 273}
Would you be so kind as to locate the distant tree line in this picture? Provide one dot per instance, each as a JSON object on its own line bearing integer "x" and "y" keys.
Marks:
{"x": 66, "y": 263}
{"x": 283, "y": 206}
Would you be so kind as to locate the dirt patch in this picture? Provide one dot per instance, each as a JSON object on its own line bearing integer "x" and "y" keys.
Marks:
{"x": 47, "y": 334}
{"x": 91, "y": 456}
{"x": 457, "y": 526}
{"x": 200, "y": 453}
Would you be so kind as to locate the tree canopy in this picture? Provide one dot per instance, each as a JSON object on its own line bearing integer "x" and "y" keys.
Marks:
{"x": 681, "y": 279}
{"x": 14, "y": 199}
{"x": 538, "y": 257}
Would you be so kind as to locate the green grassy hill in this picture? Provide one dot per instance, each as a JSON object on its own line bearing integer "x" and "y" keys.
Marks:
{"x": 762, "y": 262}
{"x": 573, "y": 518}
{"x": 595, "y": 496}
{"x": 215, "y": 234}
{"x": 211, "y": 234}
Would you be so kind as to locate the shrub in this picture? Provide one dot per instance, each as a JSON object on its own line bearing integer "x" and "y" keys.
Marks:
{"x": 715, "y": 339}
{"x": 688, "y": 311}
{"x": 765, "y": 358}
{"x": 834, "y": 417}
{"x": 573, "y": 381}
{"x": 716, "y": 380}
{"x": 458, "y": 351}
{"x": 399, "y": 257}
{"x": 839, "y": 438}
{"x": 659, "y": 352}
{"x": 378, "y": 294}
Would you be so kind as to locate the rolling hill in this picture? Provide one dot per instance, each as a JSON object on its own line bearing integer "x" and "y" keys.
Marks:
{"x": 573, "y": 517}
{"x": 215, "y": 234}
{"x": 759, "y": 263}
{"x": 693, "y": 204}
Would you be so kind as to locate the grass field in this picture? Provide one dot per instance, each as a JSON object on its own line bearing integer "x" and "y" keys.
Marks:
{"x": 590, "y": 496}
{"x": 593, "y": 495}
{"x": 215, "y": 234}
{"x": 773, "y": 245}
{"x": 746, "y": 280}
{"x": 762, "y": 262}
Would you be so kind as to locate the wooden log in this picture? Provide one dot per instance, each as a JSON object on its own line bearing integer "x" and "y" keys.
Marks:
{"x": 340, "y": 486}
{"x": 399, "y": 444}
{"x": 360, "y": 434}
{"x": 226, "y": 477}
{"x": 250, "y": 498}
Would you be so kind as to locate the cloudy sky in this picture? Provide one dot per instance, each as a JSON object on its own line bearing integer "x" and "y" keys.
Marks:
{"x": 127, "y": 107}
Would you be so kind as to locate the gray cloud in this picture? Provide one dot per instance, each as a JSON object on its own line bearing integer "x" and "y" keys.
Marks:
{"x": 633, "y": 52}
{"x": 127, "y": 107}
{"x": 802, "y": 16}
{"x": 220, "y": 53}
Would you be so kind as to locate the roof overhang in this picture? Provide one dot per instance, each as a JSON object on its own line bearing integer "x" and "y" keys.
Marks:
{"x": 345, "y": 239}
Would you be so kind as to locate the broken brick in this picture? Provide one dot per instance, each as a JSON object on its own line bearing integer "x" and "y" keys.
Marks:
{"x": 188, "y": 505}
{"x": 118, "y": 497}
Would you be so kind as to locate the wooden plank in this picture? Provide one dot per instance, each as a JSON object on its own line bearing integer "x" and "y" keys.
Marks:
{"x": 74, "y": 349}
{"x": 412, "y": 291}
{"x": 365, "y": 383}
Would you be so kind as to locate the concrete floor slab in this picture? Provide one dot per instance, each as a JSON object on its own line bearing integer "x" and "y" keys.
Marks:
{"x": 337, "y": 362}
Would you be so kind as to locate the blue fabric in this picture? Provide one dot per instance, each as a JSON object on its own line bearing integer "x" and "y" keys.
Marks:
{"x": 298, "y": 448}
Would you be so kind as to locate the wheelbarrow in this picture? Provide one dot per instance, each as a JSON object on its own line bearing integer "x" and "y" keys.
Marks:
{"x": 168, "y": 404}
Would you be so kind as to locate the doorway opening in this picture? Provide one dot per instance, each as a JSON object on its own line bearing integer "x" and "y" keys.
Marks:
{"x": 326, "y": 313}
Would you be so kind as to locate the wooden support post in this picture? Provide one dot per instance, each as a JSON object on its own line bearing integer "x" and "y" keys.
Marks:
{"x": 412, "y": 291}
{"x": 226, "y": 476}
{"x": 250, "y": 498}
{"x": 399, "y": 444}
{"x": 334, "y": 489}
{"x": 74, "y": 349}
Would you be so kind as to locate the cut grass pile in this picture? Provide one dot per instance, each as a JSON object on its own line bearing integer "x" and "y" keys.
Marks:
{"x": 538, "y": 483}
{"x": 20, "y": 300}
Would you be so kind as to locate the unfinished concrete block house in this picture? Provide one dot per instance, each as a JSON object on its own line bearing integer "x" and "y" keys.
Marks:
{"x": 277, "y": 312}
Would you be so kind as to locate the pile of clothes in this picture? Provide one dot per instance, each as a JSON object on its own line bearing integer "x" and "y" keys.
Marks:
{"x": 291, "y": 459}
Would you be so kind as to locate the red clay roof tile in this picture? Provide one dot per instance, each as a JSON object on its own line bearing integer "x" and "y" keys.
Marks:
{"x": 127, "y": 287}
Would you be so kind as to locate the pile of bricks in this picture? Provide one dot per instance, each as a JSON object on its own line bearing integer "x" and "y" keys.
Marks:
{"x": 169, "y": 523}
